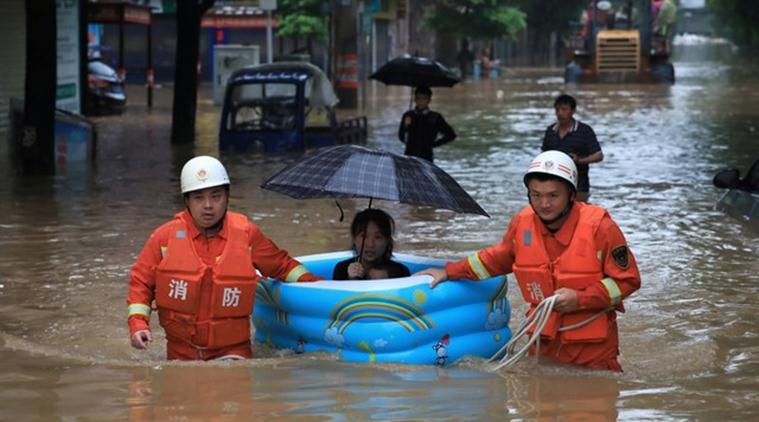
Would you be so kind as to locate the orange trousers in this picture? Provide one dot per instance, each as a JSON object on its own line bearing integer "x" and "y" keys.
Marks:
{"x": 600, "y": 355}
{"x": 181, "y": 350}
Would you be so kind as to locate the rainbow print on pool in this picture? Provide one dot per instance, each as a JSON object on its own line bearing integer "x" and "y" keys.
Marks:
{"x": 394, "y": 320}
{"x": 378, "y": 307}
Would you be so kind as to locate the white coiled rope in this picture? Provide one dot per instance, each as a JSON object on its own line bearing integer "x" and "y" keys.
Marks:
{"x": 509, "y": 355}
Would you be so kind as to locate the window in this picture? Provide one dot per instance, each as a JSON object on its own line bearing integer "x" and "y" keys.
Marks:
{"x": 262, "y": 107}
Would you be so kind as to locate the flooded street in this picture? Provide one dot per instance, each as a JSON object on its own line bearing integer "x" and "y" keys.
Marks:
{"x": 689, "y": 339}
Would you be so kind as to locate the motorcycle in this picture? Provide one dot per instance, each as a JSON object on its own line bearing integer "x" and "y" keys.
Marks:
{"x": 105, "y": 89}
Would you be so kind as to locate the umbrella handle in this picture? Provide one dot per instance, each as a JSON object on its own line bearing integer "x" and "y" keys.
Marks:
{"x": 363, "y": 238}
{"x": 361, "y": 251}
{"x": 342, "y": 214}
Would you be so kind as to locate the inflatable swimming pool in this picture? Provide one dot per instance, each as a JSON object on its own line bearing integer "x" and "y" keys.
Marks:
{"x": 393, "y": 320}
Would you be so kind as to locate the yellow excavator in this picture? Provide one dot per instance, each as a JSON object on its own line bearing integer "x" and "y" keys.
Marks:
{"x": 623, "y": 41}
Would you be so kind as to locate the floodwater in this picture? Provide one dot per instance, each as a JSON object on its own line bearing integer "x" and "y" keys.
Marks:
{"x": 689, "y": 341}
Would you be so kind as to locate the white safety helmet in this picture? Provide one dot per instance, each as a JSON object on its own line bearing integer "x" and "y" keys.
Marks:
{"x": 554, "y": 163}
{"x": 604, "y": 5}
{"x": 203, "y": 172}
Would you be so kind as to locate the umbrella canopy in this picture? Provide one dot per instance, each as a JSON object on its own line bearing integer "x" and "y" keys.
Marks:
{"x": 351, "y": 171}
{"x": 415, "y": 71}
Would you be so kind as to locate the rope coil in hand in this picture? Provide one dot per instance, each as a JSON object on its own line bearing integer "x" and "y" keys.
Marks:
{"x": 508, "y": 355}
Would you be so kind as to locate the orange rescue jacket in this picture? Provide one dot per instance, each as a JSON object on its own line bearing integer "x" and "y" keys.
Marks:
{"x": 576, "y": 268}
{"x": 178, "y": 286}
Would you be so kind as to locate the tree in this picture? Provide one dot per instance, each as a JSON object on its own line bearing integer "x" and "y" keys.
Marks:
{"x": 302, "y": 19}
{"x": 738, "y": 20}
{"x": 545, "y": 17}
{"x": 477, "y": 19}
{"x": 552, "y": 15}
{"x": 189, "y": 14}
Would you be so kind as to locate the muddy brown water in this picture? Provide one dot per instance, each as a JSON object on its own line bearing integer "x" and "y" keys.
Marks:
{"x": 689, "y": 341}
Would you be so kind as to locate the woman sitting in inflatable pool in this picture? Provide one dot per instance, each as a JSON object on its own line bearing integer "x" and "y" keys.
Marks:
{"x": 397, "y": 318}
{"x": 372, "y": 234}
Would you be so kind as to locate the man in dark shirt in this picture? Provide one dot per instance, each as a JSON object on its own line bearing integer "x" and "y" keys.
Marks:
{"x": 574, "y": 138}
{"x": 423, "y": 129}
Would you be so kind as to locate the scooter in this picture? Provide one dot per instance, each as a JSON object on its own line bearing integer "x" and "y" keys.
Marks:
{"x": 105, "y": 89}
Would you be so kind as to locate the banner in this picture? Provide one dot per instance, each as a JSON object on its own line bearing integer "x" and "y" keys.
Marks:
{"x": 67, "y": 48}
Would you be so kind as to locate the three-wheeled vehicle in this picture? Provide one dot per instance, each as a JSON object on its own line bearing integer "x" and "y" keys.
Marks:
{"x": 742, "y": 198}
{"x": 283, "y": 106}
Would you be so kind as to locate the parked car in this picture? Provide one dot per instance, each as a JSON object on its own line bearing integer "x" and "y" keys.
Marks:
{"x": 283, "y": 106}
{"x": 105, "y": 89}
{"x": 742, "y": 198}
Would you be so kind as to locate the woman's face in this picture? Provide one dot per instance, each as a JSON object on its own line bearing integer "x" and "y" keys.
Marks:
{"x": 374, "y": 245}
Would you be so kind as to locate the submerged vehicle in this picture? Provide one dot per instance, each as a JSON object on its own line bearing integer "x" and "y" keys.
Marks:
{"x": 397, "y": 320}
{"x": 623, "y": 41}
{"x": 105, "y": 89}
{"x": 742, "y": 198}
{"x": 283, "y": 106}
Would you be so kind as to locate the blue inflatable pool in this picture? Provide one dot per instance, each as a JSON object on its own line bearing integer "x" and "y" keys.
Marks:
{"x": 393, "y": 320}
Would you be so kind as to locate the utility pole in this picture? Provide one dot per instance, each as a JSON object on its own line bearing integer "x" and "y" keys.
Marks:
{"x": 189, "y": 14}
{"x": 346, "y": 52}
{"x": 268, "y": 6}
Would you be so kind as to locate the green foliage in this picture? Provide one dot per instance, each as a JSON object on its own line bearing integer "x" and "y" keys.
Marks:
{"x": 302, "y": 18}
{"x": 545, "y": 16}
{"x": 738, "y": 20}
{"x": 476, "y": 19}
{"x": 302, "y": 26}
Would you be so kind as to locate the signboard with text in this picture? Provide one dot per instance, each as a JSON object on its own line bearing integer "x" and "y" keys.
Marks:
{"x": 67, "y": 48}
{"x": 118, "y": 12}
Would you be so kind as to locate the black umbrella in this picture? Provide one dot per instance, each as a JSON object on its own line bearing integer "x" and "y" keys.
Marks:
{"x": 410, "y": 70}
{"x": 350, "y": 171}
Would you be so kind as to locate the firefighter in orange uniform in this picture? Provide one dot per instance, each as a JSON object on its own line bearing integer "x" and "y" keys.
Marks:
{"x": 559, "y": 246}
{"x": 200, "y": 268}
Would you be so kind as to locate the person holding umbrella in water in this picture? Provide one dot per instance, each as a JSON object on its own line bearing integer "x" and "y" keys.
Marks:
{"x": 372, "y": 238}
{"x": 423, "y": 129}
{"x": 353, "y": 171}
